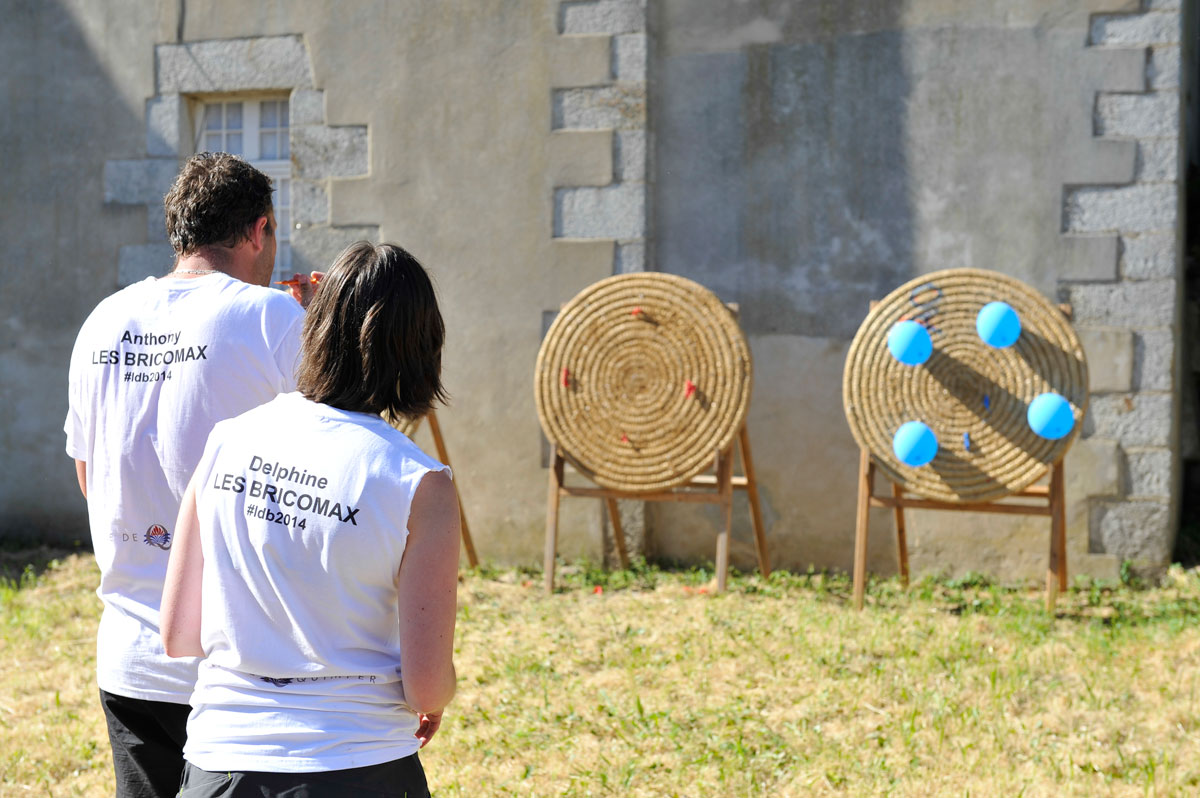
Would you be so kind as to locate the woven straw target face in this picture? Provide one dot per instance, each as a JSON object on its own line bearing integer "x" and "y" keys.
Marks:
{"x": 973, "y": 396}
{"x": 642, "y": 379}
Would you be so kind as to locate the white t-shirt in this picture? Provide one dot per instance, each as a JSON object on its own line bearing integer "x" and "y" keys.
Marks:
{"x": 154, "y": 367}
{"x": 304, "y": 516}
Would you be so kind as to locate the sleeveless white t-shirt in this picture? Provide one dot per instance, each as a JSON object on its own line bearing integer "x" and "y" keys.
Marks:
{"x": 303, "y": 515}
{"x": 154, "y": 367}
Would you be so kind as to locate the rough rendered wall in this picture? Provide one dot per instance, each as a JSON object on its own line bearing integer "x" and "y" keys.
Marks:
{"x": 456, "y": 99}
{"x": 810, "y": 157}
{"x": 73, "y": 89}
{"x": 799, "y": 158}
{"x": 428, "y": 124}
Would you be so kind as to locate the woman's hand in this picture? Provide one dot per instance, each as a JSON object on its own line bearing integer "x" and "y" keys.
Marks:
{"x": 430, "y": 723}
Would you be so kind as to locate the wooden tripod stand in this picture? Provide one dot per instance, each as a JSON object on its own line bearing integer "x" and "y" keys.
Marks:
{"x": 1050, "y": 502}
{"x": 714, "y": 488}
{"x": 435, "y": 430}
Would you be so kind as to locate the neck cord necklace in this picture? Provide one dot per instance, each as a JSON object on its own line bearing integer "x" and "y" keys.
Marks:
{"x": 194, "y": 271}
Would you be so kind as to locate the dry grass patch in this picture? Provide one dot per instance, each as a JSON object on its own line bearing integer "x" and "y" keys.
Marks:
{"x": 779, "y": 688}
{"x": 653, "y": 687}
{"x": 53, "y": 740}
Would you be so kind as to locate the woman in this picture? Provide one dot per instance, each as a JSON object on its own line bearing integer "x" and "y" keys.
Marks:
{"x": 315, "y": 563}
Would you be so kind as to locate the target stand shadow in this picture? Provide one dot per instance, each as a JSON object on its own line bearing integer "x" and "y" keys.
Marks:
{"x": 975, "y": 397}
{"x": 642, "y": 384}
{"x": 409, "y": 428}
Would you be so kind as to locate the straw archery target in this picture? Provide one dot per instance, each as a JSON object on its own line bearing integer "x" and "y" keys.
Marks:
{"x": 974, "y": 397}
{"x": 641, "y": 380}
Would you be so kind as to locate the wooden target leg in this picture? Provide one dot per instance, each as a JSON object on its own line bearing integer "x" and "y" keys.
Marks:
{"x": 439, "y": 444}
{"x": 865, "y": 473}
{"x": 1051, "y": 579}
{"x": 556, "y": 480}
{"x": 760, "y": 537}
{"x": 1058, "y": 517}
{"x": 1053, "y": 561}
{"x": 1056, "y": 569}
{"x": 901, "y": 537}
{"x": 614, "y": 515}
{"x": 468, "y": 545}
{"x": 725, "y": 486}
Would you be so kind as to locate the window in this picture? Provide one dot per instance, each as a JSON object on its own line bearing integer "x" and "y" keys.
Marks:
{"x": 257, "y": 130}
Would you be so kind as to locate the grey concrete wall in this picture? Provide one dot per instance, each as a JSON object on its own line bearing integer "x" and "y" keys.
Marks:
{"x": 810, "y": 157}
{"x": 447, "y": 105}
{"x": 456, "y": 100}
{"x": 73, "y": 89}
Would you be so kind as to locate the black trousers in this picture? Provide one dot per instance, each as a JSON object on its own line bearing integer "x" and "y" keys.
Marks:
{"x": 401, "y": 778}
{"x": 147, "y": 744}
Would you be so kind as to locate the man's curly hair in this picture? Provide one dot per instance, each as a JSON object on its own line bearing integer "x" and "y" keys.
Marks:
{"x": 216, "y": 200}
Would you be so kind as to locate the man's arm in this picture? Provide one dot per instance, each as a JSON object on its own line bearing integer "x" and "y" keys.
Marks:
{"x": 180, "y": 616}
{"x": 81, "y": 475}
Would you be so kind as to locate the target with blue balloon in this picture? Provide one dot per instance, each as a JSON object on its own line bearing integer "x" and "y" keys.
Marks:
{"x": 964, "y": 387}
{"x": 998, "y": 326}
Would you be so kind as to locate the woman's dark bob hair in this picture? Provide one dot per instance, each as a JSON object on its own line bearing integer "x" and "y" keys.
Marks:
{"x": 373, "y": 335}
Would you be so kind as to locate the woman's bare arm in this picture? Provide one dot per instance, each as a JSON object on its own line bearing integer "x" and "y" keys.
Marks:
{"x": 428, "y": 593}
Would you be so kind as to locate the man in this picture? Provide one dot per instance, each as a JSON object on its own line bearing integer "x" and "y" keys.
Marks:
{"x": 154, "y": 367}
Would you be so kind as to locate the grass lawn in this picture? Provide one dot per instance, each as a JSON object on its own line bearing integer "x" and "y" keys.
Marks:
{"x": 643, "y": 683}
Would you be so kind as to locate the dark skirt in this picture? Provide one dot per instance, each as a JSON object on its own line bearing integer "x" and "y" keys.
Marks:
{"x": 401, "y": 778}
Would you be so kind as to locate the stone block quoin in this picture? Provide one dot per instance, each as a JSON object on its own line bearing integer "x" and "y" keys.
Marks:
{"x": 320, "y": 153}
{"x": 1127, "y": 313}
{"x": 598, "y": 161}
{"x": 598, "y": 100}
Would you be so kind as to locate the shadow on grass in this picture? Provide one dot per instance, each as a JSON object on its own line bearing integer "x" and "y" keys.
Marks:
{"x": 22, "y": 565}
{"x": 1109, "y": 603}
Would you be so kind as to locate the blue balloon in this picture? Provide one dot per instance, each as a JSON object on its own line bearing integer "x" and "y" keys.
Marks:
{"x": 914, "y": 443}
{"x": 998, "y": 325}
{"x": 909, "y": 343}
{"x": 1051, "y": 416}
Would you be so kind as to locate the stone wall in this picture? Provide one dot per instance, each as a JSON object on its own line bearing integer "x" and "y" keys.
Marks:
{"x": 1131, "y": 321}
{"x": 611, "y": 102}
{"x": 800, "y": 159}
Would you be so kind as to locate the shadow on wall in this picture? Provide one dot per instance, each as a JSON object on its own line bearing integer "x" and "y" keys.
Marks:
{"x": 1187, "y": 542}
{"x": 781, "y": 182}
{"x": 63, "y": 117}
{"x": 781, "y": 177}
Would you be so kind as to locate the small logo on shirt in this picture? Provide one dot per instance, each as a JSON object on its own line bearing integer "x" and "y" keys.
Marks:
{"x": 157, "y": 535}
